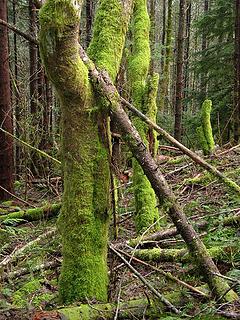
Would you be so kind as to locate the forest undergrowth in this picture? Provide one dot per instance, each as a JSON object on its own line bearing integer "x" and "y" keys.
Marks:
{"x": 30, "y": 252}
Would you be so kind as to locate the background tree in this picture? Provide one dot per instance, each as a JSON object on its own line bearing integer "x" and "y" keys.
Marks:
{"x": 6, "y": 145}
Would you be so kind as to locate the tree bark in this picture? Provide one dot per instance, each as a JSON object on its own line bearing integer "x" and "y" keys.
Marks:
{"x": 237, "y": 73}
{"x": 6, "y": 145}
{"x": 179, "y": 72}
{"x": 164, "y": 81}
{"x": 89, "y": 20}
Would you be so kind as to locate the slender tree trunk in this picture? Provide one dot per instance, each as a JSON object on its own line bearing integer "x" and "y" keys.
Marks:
{"x": 203, "y": 85}
{"x": 152, "y": 35}
{"x": 33, "y": 55}
{"x": 139, "y": 63}
{"x": 6, "y": 142}
{"x": 187, "y": 47}
{"x": 179, "y": 71}
{"x": 164, "y": 82}
{"x": 16, "y": 91}
{"x": 89, "y": 20}
{"x": 237, "y": 74}
{"x": 84, "y": 218}
{"x": 33, "y": 87}
{"x": 163, "y": 32}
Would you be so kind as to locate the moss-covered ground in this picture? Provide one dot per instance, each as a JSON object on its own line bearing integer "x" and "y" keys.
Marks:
{"x": 203, "y": 198}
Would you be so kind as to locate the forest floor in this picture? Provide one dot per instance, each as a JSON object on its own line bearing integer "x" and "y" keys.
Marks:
{"x": 29, "y": 275}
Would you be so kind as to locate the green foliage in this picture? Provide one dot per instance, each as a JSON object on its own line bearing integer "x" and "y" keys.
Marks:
{"x": 218, "y": 26}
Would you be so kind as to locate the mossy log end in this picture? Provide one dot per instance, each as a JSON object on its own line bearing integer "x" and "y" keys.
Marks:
{"x": 45, "y": 212}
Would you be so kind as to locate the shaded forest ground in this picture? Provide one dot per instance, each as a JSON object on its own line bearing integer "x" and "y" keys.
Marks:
{"x": 29, "y": 281}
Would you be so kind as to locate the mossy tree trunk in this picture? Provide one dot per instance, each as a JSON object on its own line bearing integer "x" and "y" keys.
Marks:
{"x": 141, "y": 90}
{"x": 84, "y": 218}
{"x": 204, "y": 132}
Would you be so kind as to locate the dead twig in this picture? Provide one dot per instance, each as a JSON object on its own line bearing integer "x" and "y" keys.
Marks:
{"x": 146, "y": 283}
{"x": 12, "y": 256}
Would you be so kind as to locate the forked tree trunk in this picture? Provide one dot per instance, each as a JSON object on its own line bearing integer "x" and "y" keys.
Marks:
{"x": 84, "y": 218}
{"x": 6, "y": 142}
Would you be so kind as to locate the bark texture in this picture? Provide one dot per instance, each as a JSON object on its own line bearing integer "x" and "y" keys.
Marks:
{"x": 6, "y": 142}
{"x": 164, "y": 81}
{"x": 237, "y": 73}
{"x": 179, "y": 72}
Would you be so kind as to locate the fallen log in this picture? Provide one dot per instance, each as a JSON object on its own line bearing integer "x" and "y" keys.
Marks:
{"x": 30, "y": 215}
{"x": 181, "y": 255}
{"x": 233, "y": 220}
{"x": 132, "y": 309}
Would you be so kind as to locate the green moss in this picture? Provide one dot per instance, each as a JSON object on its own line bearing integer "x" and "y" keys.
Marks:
{"x": 150, "y": 101}
{"x": 205, "y": 131}
{"x": 203, "y": 179}
{"x": 108, "y": 39}
{"x": 32, "y": 214}
{"x": 22, "y": 297}
{"x": 144, "y": 99}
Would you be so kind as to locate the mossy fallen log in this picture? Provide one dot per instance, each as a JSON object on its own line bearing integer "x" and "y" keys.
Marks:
{"x": 45, "y": 212}
{"x": 131, "y": 309}
{"x": 182, "y": 255}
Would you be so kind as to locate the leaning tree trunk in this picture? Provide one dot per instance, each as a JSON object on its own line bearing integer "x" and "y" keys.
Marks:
{"x": 6, "y": 142}
{"x": 179, "y": 72}
{"x": 158, "y": 182}
{"x": 84, "y": 218}
{"x": 237, "y": 73}
{"x": 145, "y": 199}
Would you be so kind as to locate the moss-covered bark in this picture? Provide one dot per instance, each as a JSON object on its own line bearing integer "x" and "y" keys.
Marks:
{"x": 205, "y": 130}
{"x": 145, "y": 199}
{"x": 84, "y": 218}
